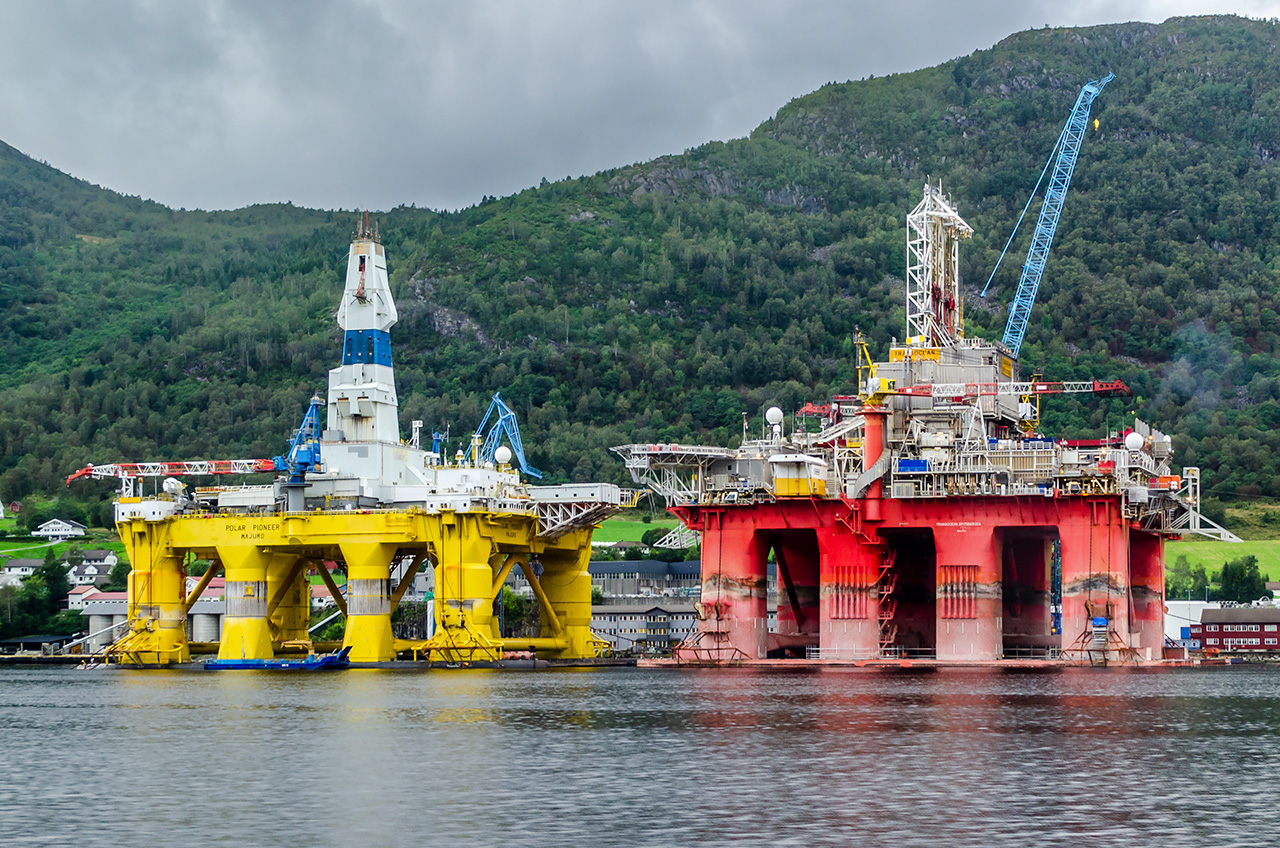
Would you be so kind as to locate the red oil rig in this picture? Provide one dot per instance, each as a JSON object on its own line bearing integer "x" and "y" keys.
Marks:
{"x": 926, "y": 516}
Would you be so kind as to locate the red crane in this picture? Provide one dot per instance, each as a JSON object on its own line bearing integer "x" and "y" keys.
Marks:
{"x": 174, "y": 469}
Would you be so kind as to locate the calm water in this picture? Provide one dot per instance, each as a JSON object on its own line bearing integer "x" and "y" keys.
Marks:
{"x": 626, "y": 757}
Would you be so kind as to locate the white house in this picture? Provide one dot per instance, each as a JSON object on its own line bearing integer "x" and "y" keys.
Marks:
{"x": 100, "y": 556}
{"x": 87, "y": 574}
{"x": 94, "y": 569}
{"x": 22, "y": 567}
{"x": 59, "y": 530}
{"x": 79, "y": 594}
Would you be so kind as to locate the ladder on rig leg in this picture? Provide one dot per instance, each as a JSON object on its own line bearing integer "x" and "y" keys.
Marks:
{"x": 888, "y": 607}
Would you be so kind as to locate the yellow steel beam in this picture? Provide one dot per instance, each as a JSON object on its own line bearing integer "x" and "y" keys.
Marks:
{"x": 286, "y": 585}
{"x": 333, "y": 588}
{"x": 534, "y": 643}
{"x": 556, "y": 628}
{"x": 406, "y": 580}
{"x": 501, "y": 576}
{"x": 209, "y": 574}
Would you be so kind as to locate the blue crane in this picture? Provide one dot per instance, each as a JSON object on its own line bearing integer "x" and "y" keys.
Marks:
{"x": 304, "y": 447}
{"x": 504, "y": 423}
{"x": 1063, "y": 158}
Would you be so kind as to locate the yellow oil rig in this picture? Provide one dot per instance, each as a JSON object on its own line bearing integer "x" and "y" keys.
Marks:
{"x": 354, "y": 493}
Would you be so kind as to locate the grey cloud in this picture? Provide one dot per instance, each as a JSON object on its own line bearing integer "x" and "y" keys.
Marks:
{"x": 380, "y": 102}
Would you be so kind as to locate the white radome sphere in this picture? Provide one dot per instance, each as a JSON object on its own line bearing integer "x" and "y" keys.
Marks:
{"x": 773, "y": 415}
{"x": 502, "y": 455}
{"x": 1133, "y": 442}
{"x": 173, "y": 485}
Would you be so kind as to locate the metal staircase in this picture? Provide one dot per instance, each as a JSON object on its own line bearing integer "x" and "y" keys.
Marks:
{"x": 886, "y": 583}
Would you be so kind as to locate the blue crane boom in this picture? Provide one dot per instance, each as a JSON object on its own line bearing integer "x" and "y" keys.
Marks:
{"x": 504, "y": 423}
{"x": 1066, "y": 150}
{"x": 304, "y": 448}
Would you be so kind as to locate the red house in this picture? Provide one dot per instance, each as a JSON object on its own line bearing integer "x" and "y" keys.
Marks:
{"x": 1238, "y": 629}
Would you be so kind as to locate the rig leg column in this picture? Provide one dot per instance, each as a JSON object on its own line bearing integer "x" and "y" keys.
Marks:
{"x": 968, "y": 598}
{"x": 1095, "y": 569}
{"x": 850, "y": 605}
{"x": 465, "y": 592}
{"x": 157, "y": 584}
{"x": 567, "y": 584}
{"x": 368, "y": 632}
{"x": 1146, "y": 582}
{"x": 733, "y": 611}
{"x": 245, "y": 634}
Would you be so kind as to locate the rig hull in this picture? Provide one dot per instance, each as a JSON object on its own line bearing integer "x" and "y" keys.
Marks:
{"x": 952, "y": 579}
{"x": 266, "y": 560}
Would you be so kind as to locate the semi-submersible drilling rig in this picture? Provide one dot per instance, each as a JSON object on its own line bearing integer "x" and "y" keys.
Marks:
{"x": 355, "y": 494}
{"x": 926, "y": 516}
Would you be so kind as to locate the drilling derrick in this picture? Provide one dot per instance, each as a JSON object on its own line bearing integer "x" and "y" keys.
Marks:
{"x": 352, "y": 493}
{"x": 925, "y": 516}
{"x": 935, "y": 314}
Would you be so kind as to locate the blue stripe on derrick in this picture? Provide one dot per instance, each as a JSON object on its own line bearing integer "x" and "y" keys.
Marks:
{"x": 370, "y": 347}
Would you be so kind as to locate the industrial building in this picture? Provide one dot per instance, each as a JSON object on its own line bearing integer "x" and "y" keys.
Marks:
{"x": 655, "y": 625}
{"x": 1247, "y": 629}
{"x": 646, "y": 577}
{"x": 659, "y": 625}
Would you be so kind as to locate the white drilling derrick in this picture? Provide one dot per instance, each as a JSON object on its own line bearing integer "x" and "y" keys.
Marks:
{"x": 935, "y": 308}
{"x": 362, "y": 390}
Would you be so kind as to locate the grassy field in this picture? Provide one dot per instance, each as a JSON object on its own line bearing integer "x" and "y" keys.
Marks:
{"x": 1213, "y": 554}
{"x": 95, "y": 538}
{"x": 1257, "y": 522}
{"x": 628, "y": 529}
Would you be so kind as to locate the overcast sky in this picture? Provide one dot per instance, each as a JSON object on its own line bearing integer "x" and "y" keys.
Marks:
{"x": 375, "y": 103}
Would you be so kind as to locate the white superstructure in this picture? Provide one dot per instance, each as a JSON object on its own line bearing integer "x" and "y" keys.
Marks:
{"x": 362, "y": 439}
{"x": 358, "y": 460}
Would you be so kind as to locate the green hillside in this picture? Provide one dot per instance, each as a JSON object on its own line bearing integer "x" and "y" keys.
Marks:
{"x": 662, "y": 300}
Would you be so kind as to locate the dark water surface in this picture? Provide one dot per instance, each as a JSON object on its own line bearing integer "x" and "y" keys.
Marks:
{"x": 626, "y": 757}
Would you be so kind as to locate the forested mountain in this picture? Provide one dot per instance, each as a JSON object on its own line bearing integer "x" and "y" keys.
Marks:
{"x": 660, "y": 301}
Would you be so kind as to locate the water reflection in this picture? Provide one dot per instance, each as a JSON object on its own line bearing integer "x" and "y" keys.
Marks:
{"x": 624, "y": 757}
